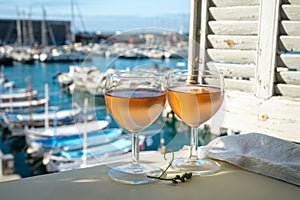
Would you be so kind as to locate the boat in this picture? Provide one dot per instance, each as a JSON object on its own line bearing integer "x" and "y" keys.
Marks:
{"x": 74, "y": 142}
{"x": 60, "y": 56}
{"x": 62, "y": 117}
{"x": 65, "y": 79}
{"x": 154, "y": 67}
{"x": 17, "y": 95}
{"x": 21, "y": 56}
{"x": 6, "y": 85}
{"x": 56, "y": 161}
{"x": 59, "y": 132}
{"x": 96, "y": 82}
{"x": 133, "y": 55}
{"x": 23, "y": 104}
{"x": 6, "y": 60}
{"x": 77, "y": 77}
{"x": 66, "y": 130}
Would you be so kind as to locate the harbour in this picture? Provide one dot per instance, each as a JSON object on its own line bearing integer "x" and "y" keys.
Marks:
{"x": 25, "y": 159}
{"x": 239, "y": 59}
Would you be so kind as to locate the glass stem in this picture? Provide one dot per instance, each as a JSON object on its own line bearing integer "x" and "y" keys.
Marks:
{"x": 135, "y": 149}
{"x": 194, "y": 145}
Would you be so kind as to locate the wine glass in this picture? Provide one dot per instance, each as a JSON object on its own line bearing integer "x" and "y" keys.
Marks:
{"x": 135, "y": 100}
{"x": 195, "y": 96}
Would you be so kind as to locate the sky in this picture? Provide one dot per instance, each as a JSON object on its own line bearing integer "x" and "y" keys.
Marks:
{"x": 104, "y": 15}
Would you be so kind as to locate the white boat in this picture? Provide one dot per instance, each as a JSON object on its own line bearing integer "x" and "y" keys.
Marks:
{"x": 60, "y": 132}
{"x": 59, "y": 56}
{"x": 65, "y": 79}
{"x": 22, "y": 104}
{"x": 65, "y": 160}
{"x": 17, "y": 95}
{"x": 66, "y": 130}
{"x": 22, "y": 56}
{"x": 66, "y": 116}
{"x": 6, "y": 85}
{"x": 76, "y": 141}
{"x": 77, "y": 77}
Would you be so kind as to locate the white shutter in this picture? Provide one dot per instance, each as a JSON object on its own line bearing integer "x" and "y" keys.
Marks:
{"x": 256, "y": 44}
{"x": 288, "y": 55}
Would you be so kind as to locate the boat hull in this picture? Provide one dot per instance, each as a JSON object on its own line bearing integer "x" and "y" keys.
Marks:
{"x": 69, "y": 160}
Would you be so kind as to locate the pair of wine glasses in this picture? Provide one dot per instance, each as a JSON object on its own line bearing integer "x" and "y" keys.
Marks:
{"x": 136, "y": 99}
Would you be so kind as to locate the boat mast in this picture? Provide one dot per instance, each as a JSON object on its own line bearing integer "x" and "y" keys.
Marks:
{"x": 25, "y": 38}
{"x": 73, "y": 25}
{"x": 85, "y": 142}
{"x": 19, "y": 32}
{"x": 46, "y": 107}
{"x": 11, "y": 98}
{"x": 44, "y": 39}
{"x": 30, "y": 28}
{"x": 56, "y": 109}
{"x": 30, "y": 99}
{"x": 51, "y": 34}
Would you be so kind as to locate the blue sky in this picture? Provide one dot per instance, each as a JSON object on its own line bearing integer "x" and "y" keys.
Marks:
{"x": 105, "y": 15}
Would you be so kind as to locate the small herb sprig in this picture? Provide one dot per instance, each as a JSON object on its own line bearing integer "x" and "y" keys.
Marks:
{"x": 175, "y": 180}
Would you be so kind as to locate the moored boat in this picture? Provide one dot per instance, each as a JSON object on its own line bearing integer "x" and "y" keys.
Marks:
{"x": 22, "y": 104}
{"x": 59, "y": 133}
{"x": 66, "y": 130}
{"x": 22, "y": 56}
{"x": 74, "y": 159}
{"x": 6, "y": 60}
{"x": 60, "y": 56}
{"x": 17, "y": 95}
{"x": 76, "y": 141}
{"x": 66, "y": 116}
{"x": 6, "y": 85}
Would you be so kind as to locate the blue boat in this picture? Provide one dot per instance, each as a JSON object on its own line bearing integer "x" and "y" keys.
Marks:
{"x": 73, "y": 159}
{"x": 76, "y": 141}
{"x": 37, "y": 119}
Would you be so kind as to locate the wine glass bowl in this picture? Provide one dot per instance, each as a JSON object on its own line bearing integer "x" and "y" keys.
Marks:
{"x": 135, "y": 100}
{"x": 195, "y": 97}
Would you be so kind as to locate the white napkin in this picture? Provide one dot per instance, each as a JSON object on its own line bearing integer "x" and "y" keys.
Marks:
{"x": 258, "y": 153}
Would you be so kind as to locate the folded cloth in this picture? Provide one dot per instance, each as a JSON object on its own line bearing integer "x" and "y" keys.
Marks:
{"x": 258, "y": 153}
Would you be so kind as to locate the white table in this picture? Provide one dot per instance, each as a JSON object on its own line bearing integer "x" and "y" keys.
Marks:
{"x": 94, "y": 183}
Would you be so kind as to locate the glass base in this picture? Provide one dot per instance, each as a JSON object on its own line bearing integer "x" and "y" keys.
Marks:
{"x": 197, "y": 167}
{"x": 134, "y": 174}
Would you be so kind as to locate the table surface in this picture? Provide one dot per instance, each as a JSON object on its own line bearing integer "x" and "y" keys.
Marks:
{"x": 93, "y": 183}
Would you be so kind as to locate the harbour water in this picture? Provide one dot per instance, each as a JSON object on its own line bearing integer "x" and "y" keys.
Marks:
{"x": 174, "y": 133}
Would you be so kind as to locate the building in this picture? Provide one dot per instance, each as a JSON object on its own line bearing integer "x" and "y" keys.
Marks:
{"x": 34, "y": 32}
